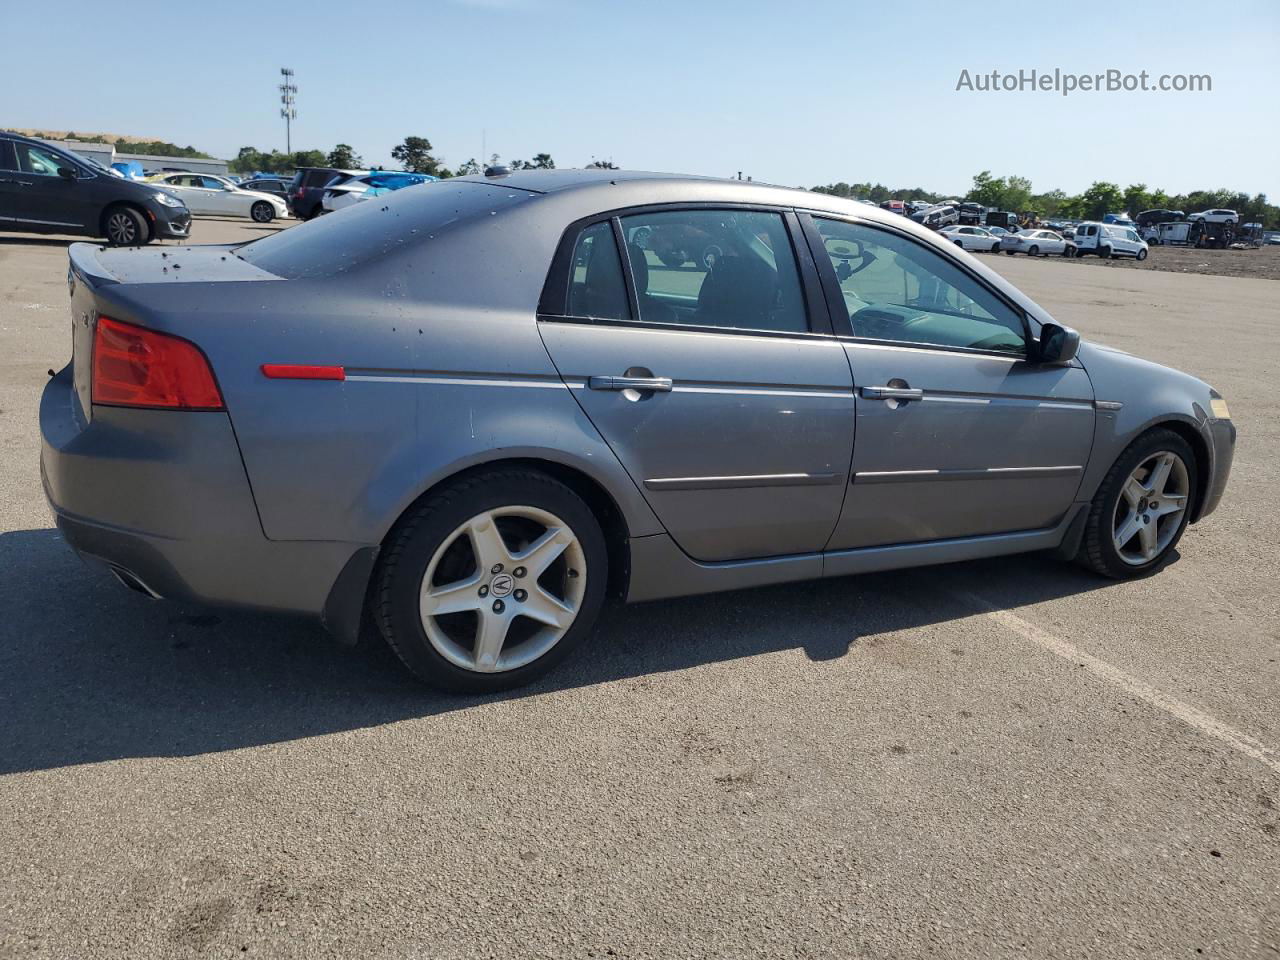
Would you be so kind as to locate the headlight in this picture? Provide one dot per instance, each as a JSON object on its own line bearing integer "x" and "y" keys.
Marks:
{"x": 167, "y": 200}
{"x": 1218, "y": 406}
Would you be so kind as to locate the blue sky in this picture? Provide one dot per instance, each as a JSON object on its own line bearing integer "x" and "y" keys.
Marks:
{"x": 788, "y": 92}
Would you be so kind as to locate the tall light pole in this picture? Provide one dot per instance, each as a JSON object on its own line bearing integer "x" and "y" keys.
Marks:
{"x": 288, "y": 93}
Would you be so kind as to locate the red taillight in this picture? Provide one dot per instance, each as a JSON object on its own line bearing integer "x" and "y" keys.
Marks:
{"x": 136, "y": 367}
{"x": 302, "y": 371}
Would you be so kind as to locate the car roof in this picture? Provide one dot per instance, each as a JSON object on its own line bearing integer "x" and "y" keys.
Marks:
{"x": 615, "y": 189}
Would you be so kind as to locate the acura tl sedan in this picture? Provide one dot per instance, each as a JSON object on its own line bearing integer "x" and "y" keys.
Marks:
{"x": 470, "y": 413}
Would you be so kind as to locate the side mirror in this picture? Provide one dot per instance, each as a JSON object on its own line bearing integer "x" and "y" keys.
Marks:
{"x": 66, "y": 173}
{"x": 1058, "y": 344}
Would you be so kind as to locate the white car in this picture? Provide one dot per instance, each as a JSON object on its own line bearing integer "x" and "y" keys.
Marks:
{"x": 1216, "y": 216}
{"x": 1036, "y": 242}
{"x": 211, "y": 196}
{"x": 355, "y": 189}
{"x": 972, "y": 238}
{"x": 1110, "y": 240}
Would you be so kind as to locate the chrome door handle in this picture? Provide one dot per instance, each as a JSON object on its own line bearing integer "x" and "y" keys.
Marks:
{"x": 654, "y": 384}
{"x": 892, "y": 393}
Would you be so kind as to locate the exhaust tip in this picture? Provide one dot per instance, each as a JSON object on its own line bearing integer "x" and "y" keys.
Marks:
{"x": 133, "y": 582}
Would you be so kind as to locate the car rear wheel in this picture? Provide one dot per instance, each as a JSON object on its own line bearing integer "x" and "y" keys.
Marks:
{"x": 1033, "y": 252}
{"x": 1105, "y": 253}
{"x": 125, "y": 227}
{"x": 262, "y": 212}
{"x": 1142, "y": 507}
{"x": 492, "y": 581}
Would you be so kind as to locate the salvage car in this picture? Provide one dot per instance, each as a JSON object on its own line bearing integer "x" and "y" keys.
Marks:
{"x": 469, "y": 413}
{"x": 971, "y": 238}
{"x": 1036, "y": 242}
{"x": 209, "y": 196}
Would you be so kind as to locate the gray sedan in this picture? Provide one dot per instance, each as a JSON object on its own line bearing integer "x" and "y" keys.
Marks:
{"x": 472, "y": 411}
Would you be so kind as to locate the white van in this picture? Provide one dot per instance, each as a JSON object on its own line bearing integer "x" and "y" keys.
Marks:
{"x": 1109, "y": 240}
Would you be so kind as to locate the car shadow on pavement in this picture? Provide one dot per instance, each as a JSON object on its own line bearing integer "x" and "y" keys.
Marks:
{"x": 7, "y": 241}
{"x": 90, "y": 671}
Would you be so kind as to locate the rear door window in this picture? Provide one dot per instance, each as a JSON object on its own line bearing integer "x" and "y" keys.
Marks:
{"x": 715, "y": 268}
{"x": 596, "y": 285}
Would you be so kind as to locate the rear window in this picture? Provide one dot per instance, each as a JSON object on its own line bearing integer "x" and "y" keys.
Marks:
{"x": 332, "y": 245}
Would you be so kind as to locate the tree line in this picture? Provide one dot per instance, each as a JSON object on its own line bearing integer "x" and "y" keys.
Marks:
{"x": 414, "y": 154}
{"x": 1015, "y": 194}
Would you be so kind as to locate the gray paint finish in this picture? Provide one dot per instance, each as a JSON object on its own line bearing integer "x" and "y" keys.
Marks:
{"x": 762, "y": 455}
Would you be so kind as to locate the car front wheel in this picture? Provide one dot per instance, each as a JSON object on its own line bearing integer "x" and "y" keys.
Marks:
{"x": 492, "y": 581}
{"x": 125, "y": 227}
{"x": 262, "y": 212}
{"x": 1142, "y": 254}
{"x": 1142, "y": 507}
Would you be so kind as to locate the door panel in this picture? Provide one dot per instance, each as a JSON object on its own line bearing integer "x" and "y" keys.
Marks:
{"x": 993, "y": 445}
{"x": 747, "y": 455}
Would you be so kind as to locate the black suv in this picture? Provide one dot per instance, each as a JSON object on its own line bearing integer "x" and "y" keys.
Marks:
{"x": 47, "y": 190}
{"x": 276, "y": 186}
{"x": 307, "y": 190}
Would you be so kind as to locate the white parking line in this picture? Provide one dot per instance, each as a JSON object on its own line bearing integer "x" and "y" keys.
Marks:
{"x": 1241, "y": 742}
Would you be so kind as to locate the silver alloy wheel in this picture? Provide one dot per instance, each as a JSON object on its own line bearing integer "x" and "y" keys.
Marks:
{"x": 261, "y": 212}
{"x": 122, "y": 228}
{"x": 515, "y": 575}
{"x": 1149, "y": 511}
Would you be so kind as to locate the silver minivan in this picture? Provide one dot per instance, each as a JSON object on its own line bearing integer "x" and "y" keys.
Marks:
{"x": 1109, "y": 240}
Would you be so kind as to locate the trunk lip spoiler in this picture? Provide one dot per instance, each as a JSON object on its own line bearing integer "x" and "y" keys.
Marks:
{"x": 85, "y": 264}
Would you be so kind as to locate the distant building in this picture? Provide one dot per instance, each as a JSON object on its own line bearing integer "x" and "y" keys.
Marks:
{"x": 106, "y": 154}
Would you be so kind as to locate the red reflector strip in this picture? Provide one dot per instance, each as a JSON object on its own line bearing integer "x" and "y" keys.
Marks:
{"x": 302, "y": 371}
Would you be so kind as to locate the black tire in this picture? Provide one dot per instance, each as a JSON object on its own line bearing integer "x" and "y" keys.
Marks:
{"x": 1097, "y": 548}
{"x": 1069, "y": 252}
{"x": 995, "y": 248}
{"x": 1033, "y": 252}
{"x": 125, "y": 227}
{"x": 1142, "y": 255}
{"x": 1106, "y": 253}
{"x": 262, "y": 212}
{"x": 417, "y": 537}
{"x": 1011, "y": 252}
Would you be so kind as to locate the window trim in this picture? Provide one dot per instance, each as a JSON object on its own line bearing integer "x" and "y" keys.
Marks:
{"x": 835, "y": 299}
{"x": 554, "y": 300}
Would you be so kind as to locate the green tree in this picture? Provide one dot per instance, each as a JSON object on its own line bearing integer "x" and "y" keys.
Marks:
{"x": 542, "y": 161}
{"x": 344, "y": 157}
{"x": 414, "y": 154}
{"x": 308, "y": 158}
{"x": 468, "y": 169}
{"x": 1004, "y": 193}
{"x": 1050, "y": 203}
{"x": 602, "y": 165}
{"x": 1137, "y": 199}
{"x": 1100, "y": 199}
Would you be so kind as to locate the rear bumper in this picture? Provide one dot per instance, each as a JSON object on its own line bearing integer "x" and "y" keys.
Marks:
{"x": 161, "y": 498}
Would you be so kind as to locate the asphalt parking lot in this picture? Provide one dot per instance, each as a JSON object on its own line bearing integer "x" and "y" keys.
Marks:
{"x": 1009, "y": 758}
